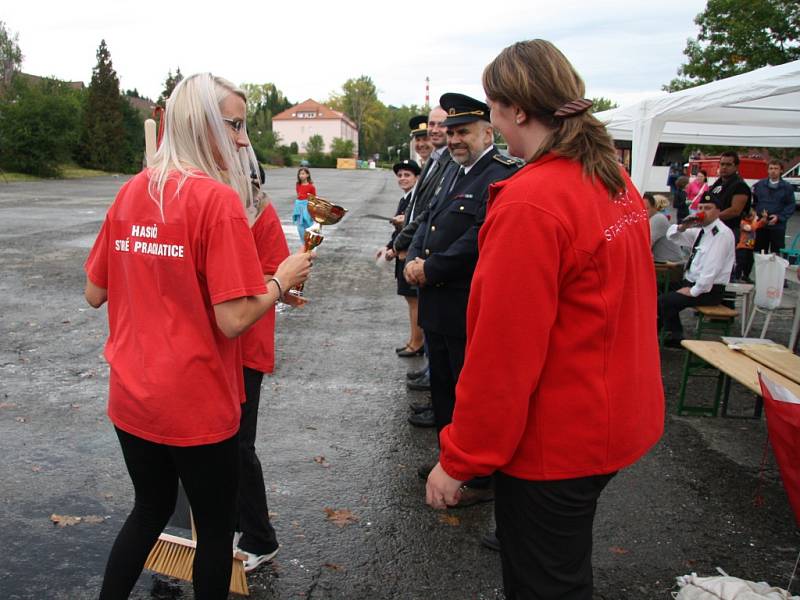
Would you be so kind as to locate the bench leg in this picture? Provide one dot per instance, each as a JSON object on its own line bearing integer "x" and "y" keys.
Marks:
{"x": 689, "y": 370}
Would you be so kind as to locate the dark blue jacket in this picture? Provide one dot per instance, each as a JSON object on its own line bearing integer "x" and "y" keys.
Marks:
{"x": 776, "y": 201}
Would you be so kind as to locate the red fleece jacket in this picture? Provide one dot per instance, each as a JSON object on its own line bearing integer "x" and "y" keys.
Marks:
{"x": 562, "y": 376}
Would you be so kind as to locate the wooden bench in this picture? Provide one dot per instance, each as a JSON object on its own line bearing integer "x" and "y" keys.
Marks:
{"x": 716, "y": 360}
{"x": 715, "y": 318}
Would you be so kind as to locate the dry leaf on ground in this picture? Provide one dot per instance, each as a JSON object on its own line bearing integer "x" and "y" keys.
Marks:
{"x": 341, "y": 517}
{"x": 618, "y": 550}
{"x": 333, "y": 567}
{"x": 68, "y": 520}
{"x": 451, "y": 520}
{"x": 321, "y": 460}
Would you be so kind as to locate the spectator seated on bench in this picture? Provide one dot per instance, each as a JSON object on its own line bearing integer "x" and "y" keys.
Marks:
{"x": 707, "y": 270}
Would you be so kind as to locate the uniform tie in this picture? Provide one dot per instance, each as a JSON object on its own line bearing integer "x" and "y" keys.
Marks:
{"x": 694, "y": 250}
{"x": 459, "y": 175}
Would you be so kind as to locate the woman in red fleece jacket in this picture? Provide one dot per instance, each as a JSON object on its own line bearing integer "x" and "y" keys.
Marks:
{"x": 561, "y": 386}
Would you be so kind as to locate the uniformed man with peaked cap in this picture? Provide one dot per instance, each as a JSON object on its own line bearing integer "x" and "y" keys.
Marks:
{"x": 444, "y": 250}
{"x": 419, "y": 137}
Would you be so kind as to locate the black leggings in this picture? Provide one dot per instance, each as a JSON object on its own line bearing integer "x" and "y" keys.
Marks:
{"x": 209, "y": 474}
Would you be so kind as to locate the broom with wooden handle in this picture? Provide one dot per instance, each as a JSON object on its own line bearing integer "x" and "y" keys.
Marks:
{"x": 173, "y": 556}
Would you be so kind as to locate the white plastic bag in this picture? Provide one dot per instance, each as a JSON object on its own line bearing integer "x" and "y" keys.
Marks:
{"x": 770, "y": 273}
{"x": 727, "y": 588}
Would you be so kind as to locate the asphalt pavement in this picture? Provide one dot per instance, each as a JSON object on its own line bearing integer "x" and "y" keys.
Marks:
{"x": 339, "y": 458}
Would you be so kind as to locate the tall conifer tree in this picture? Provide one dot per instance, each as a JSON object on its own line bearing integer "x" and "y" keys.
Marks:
{"x": 103, "y": 136}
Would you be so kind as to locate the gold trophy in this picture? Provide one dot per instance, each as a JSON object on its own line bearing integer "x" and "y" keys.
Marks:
{"x": 323, "y": 213}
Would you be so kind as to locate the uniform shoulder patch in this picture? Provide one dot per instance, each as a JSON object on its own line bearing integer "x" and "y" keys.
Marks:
{"x": 714, "y": 230}
{"x": 508, "y": 161}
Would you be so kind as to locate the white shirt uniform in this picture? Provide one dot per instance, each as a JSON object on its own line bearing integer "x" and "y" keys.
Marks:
{"x": 713, "y": 258}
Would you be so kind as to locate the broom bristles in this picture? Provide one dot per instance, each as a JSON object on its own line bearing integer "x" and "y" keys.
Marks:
{"x": 173, "y": 556}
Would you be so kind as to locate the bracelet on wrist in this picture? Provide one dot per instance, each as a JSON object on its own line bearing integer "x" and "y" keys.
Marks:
{"x": 279, "y": 286}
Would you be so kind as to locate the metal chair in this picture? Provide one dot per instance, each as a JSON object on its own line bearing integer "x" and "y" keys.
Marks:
{"x": 792, "y": 253}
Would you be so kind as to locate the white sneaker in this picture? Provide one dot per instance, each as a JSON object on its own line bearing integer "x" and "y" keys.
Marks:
{"x": 237, "y": 535}
{"x": 255, "y": 560}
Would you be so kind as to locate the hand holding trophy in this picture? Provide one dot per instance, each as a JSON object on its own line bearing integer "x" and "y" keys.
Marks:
{"x": 322, "y": 212}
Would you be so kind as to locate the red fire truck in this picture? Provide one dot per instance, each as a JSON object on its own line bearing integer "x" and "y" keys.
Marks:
{"x": 750, "y": 169}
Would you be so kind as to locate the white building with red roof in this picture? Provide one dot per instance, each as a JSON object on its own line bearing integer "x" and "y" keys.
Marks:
{"x": 300, "y": 122}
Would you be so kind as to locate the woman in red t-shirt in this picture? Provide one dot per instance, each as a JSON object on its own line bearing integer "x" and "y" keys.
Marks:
{"x": 177, "y": 265}
{"x": 255, "y": 535}
{"x": 303, "y": 188}
{"x": 561, "y": 384}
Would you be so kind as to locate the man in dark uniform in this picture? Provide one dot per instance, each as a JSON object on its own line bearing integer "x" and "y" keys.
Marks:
{"x": 444, "y": 251}
{"x": 428, "y": 180}
{"x": 434, "y": 170}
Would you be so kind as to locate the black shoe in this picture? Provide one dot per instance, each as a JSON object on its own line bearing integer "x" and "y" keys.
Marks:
{"x": 673, "y": 343}
{"x": 418, "y": 373}
{"x": 418, "y": 407}
{"x": 490, "y": 541}
{"x": 409, "y": 352}
{"x": 424, "y": 470}
{"x": 423, "y": 419}
{"x": 422, "y": 384}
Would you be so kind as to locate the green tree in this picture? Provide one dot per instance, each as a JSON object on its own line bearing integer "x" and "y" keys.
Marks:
{"x": 39, "y": 124}
{"x": 315, "y": 145}
{"x": 737, "y": 36}
{"x": 264, "y": 101}
{"x": 103, "y": 139}
{"x": 395, "y": 129}
{"x": 133, "y": 149}
{"x": 359, "y": 101}
{"x": 10, "y": 56}
{"x": 601, "y": 103}
{"x": 315, "y": 151}
{"x": 169, "y": 84}
{"x": 341, "y": 148}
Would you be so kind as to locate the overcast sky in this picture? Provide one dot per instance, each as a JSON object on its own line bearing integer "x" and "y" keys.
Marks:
{"x": 625, "y": 50}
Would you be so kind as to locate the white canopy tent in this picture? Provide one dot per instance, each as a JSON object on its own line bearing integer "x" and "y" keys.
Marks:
{"x": 760, "y": 108}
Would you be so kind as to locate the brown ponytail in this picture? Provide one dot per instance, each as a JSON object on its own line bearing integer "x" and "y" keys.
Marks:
{"x": 535, "y": 76}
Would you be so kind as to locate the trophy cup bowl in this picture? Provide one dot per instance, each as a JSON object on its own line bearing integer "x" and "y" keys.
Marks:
{"x": 322, "y": 212}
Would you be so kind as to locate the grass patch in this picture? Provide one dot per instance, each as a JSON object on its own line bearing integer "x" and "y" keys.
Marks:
{"x": 67, "y": 172}
{"x": 5, "y": 176}
{"x": 76, "y": 172}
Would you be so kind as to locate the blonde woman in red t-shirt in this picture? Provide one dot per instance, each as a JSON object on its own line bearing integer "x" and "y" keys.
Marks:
{"x": 177, "y": 264}
{"x": 561, "y": 384}
{"x": 303, "y": 188}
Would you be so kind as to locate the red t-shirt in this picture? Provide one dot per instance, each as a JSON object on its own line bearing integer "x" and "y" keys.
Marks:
{"x": 258, "y": 342}
{"x": 562, "y": 376}
{"x": 304, "y": 189}
{"x": 175, "y": 378}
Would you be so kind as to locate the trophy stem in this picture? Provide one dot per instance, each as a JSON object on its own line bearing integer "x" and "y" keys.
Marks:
{"x": 311, "y": 239}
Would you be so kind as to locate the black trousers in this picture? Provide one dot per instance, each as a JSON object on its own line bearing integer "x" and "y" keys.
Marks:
{"x": 770, "y": 239}
{"x": 672, "y": 303}
{"x": 545, "y": 533}
{"x": 446, "y": 357}
{"x": 209, "y": 474}
{"x": 258, "y": 535}
{"x": 744, "y": 264}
